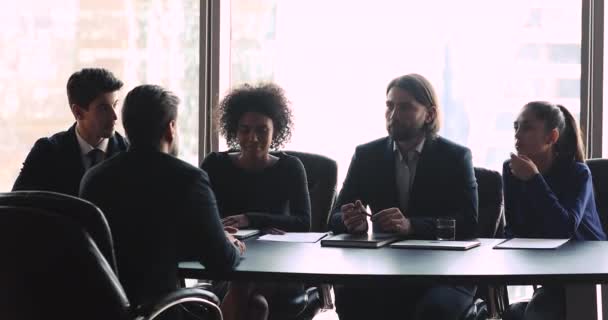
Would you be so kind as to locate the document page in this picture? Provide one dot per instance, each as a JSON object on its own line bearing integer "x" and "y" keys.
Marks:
{"x": 527, "y": 243}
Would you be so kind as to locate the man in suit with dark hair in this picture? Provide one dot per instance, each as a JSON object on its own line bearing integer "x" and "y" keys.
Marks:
{"x": 161, "y": 210}
{"x": 58, "y": 163}
{"x": 408, "y": 179}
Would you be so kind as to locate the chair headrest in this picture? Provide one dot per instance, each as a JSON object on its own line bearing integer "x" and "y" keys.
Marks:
{"x": 318, "y": 167}
{"x": 489, "y": 190}
{"x": 53, "y": 269}
{"x": 82, "y": 212}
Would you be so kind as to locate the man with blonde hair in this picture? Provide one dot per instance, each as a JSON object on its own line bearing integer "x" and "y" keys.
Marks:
{"x": 408, "y": 179}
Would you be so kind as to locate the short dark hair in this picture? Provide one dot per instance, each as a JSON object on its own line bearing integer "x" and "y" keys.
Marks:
{"x": 146, "y": 113}
{"x": 422, "y": 90}
{"x": 267, "y": 99}
{"x": 87, "y": 84}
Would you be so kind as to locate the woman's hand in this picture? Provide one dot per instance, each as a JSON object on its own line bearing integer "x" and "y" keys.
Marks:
{"x": 522, "y": 167}
{"x": 238, "y": 221}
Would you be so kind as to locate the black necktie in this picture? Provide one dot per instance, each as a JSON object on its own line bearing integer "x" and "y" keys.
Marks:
{"x": 95, "y": 156}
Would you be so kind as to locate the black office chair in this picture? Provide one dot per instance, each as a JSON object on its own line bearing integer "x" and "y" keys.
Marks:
{"x": 322, "y": 176}
{"x": 86, "y": 214}
{"x": 52, "y": 269}
{"x": 599, "y": 174}
{"x": 490, "y": 300}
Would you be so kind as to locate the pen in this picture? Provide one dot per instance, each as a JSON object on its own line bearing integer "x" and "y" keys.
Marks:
{"x": 367, "y": 211}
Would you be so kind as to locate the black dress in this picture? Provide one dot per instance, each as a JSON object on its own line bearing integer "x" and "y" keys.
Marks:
{"x": 276, "y": 196}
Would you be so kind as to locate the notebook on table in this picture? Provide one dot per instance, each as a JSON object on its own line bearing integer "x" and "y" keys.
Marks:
{"x": 246, "y": 233}
{"x": 310, "y": 237}
{"x": 528, "y": 243}
{"x": 436, "y": 244}
{"x": 374, "y": 240}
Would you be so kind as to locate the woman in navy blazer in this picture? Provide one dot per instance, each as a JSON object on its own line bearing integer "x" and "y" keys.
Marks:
{"x": 548, "y": 190}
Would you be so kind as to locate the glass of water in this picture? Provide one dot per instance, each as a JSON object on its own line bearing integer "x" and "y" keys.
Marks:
{"x": 445, "y": 228}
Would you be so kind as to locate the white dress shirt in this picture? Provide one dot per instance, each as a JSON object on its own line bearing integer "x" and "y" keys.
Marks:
{"x": 85, "y": 148}
{"x": 405, "y": 172}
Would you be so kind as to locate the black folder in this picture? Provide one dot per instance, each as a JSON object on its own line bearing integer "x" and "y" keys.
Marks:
{"x": 374, "y": 240}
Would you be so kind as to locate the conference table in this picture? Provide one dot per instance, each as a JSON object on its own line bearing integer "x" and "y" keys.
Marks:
{"x": 577, "y": 265}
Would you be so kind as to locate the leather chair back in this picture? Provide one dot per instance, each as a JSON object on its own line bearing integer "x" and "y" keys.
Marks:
{"x": 599, "y": 173}
{"x": 491, "y": 300}
{"x": 490, "y": 223}
{"x": 82, "y": 212}
{"x": 52, "y": 269}
{"x": 322, "y": 176}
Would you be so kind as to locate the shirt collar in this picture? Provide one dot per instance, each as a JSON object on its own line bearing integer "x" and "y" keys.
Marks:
{"x": 85, "y": 147}
{"x": 416, "y": 151}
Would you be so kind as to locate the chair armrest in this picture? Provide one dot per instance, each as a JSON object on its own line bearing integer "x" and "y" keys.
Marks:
{"x": 207, "y": 286}
{"x": 203, "y": 298}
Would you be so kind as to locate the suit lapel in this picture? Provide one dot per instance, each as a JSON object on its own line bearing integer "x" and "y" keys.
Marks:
{"x": 423, "y": 173}
{"x": 73, "y": 155}
{"x": 112, "y": 146}
{"x": 116, "y": 144}
{"x": 389, "y": 170}
{"x": 73, "y": 161}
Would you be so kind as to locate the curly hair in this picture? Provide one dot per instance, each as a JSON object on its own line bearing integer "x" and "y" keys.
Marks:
{"x": 267, "y": 99}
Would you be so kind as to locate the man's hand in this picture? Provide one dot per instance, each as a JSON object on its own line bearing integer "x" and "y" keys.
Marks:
{"x": 236, "y": 242}
{"x": 354, "y": 217}
{"x": 238, "y": 221}
{"x": 522, "y": 167}
{"x": 391, "y": 220}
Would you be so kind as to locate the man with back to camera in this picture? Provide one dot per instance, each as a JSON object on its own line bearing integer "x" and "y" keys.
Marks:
{"x": 58, "y": 163}
{"x": 161, "y": 210}
{"x": 408, "y": 179}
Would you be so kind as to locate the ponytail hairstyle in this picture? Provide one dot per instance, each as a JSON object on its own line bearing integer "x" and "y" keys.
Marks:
{"x": 569, "y": 146}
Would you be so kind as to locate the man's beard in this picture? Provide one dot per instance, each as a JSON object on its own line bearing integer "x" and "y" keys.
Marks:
{"x": 404, "y": 134}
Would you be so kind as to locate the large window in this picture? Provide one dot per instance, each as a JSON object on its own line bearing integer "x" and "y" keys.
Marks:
{"x": 486, "y": 59}
{"x": 43, "y": 42}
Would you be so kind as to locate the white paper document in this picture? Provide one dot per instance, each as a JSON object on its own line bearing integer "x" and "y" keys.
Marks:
{"x": 528, "y": 243}
{"x": 436, "y": 244}
{"x": 310, "y": 237}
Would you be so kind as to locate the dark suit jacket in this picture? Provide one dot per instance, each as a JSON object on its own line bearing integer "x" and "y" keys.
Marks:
{"x": 161, "y": 211}
{"x": 444, "y": 185}
{"x": 55, "y": 163}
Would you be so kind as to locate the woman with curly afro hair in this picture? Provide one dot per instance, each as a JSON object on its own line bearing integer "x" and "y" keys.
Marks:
{"x": 256, "y": 189}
